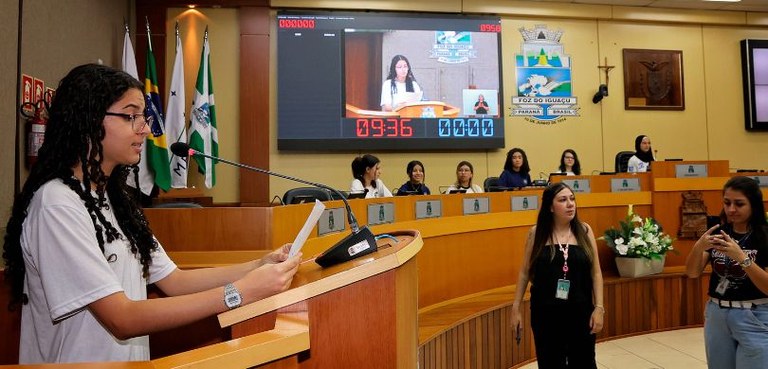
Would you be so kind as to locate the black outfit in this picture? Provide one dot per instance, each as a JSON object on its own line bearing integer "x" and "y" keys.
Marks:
{"x": 408, "y": 188}
{"x": 482, "y": 108}
{"x": 740, "y": 287}
{"x": 561, "y": 329}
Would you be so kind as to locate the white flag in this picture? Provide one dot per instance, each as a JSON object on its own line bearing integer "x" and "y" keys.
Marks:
{"x": 175, "y": 122}
{"x": 203, "y": 135}
{"x": 146, "y": 179}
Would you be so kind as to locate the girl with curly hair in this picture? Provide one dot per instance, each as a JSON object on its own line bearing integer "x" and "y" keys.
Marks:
{"x": 78, "y": 250}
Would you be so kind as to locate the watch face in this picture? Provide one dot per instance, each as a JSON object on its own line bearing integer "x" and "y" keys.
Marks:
{"x": 233, "y": 300}
{"x": 746, "y": 263}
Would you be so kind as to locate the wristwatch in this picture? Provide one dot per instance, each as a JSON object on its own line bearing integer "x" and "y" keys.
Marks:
{"x": 746, "y": 263}
{"x": 232, "y": 296}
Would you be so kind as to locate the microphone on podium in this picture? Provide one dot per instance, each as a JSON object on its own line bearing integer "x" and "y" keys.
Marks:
{"x": 360, "y": 242}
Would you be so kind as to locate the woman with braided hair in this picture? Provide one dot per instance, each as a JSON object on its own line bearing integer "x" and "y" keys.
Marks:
{"x": 79, "y": 252}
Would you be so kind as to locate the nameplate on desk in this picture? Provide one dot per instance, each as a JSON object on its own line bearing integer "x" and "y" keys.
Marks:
{"x": 690, "y": 170}
{"x": 332, "y": 220}
{"x": 520, "y": 203}
{"x": 625, "y": 184}
{"x": 475, "y": 205}
{"x": 381, "y": 213}
{"x": 761, "y": 180}
{"x": 429, "y": 209}
{"x": 578, "y": 185}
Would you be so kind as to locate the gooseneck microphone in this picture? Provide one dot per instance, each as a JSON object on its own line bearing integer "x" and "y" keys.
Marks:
{"x": 360, "y": 242}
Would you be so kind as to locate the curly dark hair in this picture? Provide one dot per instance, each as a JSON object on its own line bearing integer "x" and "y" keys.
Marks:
{"x": 73, "y": 137}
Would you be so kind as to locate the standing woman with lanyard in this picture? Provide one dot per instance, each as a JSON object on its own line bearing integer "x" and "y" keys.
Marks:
{"x": 562, "y": 264}
{"x": 736, "y": 316}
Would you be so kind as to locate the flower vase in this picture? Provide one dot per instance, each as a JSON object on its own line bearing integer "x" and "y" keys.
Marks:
{"x": 638, "y": 267}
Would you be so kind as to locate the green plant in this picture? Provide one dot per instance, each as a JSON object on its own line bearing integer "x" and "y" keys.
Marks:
{"x": 638, "y": 238}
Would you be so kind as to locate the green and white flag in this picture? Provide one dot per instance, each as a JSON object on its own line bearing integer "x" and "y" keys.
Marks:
{"x": 175, "y": 122}
{"x": 203, "y": 135}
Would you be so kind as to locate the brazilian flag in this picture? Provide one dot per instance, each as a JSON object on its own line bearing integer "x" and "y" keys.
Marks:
{"x": 157, "y": 146}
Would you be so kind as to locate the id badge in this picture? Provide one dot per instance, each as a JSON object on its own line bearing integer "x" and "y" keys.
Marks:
{"x": 722, "y": 286}
{"x": 563, "y": 287}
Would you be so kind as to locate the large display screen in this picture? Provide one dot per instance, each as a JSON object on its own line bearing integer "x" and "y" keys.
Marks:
{"x": 388, "y": 81}
{"x": 754, "y": 64}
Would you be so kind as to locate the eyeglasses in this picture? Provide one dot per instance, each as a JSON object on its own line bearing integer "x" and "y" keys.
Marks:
{"x": 137, "y": 127}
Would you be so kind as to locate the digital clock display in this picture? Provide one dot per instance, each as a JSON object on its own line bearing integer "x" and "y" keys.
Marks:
{"x": 296, "y": 23}
{"x": 489, "y": 27}
{"x": 334, "y": 89}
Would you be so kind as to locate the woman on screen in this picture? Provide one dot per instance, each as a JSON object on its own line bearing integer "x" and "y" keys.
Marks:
{"x": 401, "y": 86}
{"x": 415, "y": 184}
{"x": 516, "y": 170}
{"x": 735, "y": 334}
{"x": 481, "y": 106}
{"x": 366, "y": 169}
{"x": 464, "y": 174}
{"x": 641, "y": 161}
{"x": 561, "y": 262}
{"x": 569, "y": 163}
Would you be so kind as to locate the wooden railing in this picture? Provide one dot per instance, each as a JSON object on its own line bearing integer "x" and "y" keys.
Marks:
{"x": 474, "y": 332}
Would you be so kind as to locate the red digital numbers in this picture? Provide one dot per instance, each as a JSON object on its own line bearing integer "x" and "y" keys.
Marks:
{"x": 486, "y": 27}
{"x": 377, "y": 127}
{"x": 296, "y": 23}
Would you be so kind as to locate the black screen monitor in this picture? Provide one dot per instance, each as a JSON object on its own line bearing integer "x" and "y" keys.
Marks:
{"x": 332, "y": 81}
{"x": 301, "y": 199}
{"x": 673, "y": 159}
{"x": 458, "y": 190}
{"x": 356, "y": 195}
{"x": 408, "y": 193}
{"x": 754, "y": 71}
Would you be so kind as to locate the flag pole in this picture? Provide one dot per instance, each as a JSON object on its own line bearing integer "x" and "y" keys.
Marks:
{"x": 149, "y": 34}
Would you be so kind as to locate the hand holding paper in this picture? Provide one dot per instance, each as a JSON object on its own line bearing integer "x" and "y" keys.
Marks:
{"x": 303, "y": 234}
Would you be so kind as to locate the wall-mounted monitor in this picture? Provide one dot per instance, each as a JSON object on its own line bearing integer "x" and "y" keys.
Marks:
{"x": 754, "y": 66}
{"x": 350, "y": 81}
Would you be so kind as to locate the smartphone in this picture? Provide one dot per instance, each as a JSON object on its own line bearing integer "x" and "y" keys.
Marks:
{"x": 517, "y": 335}
{"x": 712, "y": 220}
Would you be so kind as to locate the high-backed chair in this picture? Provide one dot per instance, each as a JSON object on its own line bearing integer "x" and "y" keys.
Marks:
{"x": 622, "y": 158}
{"x": 490, "y": 182}
{"x": 305, "y": 194}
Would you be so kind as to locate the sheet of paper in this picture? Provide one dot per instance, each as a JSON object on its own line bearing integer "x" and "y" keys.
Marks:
{"x": 303, "y": 234}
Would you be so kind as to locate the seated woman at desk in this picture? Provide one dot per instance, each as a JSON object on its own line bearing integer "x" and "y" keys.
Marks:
{"x": 641, "y": 161}
{"x": 366, "y": 169}
{"x": 415, "y": 184}
{"x": 464, "y": 174}
{"x": 401, "y": 86}
{"x": 516, "y": 170}
{"x": 569, "y": 163}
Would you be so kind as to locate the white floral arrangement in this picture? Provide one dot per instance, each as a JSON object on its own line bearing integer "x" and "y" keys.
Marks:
{"x": 638, "y": 238}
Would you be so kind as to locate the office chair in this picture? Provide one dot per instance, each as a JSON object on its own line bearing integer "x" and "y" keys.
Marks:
{"x": 305, "y": 194}
{"x": 621, "y": 161}
{"x": 490, "y": 182}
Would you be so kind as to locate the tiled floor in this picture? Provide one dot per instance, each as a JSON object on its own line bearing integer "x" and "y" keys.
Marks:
{"x": 678, "y": 349}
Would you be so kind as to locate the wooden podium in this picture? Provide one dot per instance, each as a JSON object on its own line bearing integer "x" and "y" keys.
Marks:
{"x": 358, "y": 314}
{"x": 417, "y": 109}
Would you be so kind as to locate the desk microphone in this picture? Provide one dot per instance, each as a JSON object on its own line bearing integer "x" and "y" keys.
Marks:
{"x": 360, "y": 242}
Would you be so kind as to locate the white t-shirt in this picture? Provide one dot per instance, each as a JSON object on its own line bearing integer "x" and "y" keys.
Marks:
{"x": 401, "y": 95}
{"x": 66, "y": 271}
{"x": 380, "y": 191}
{"x": 636, "y": 165}
{"x": 472, "y": 189}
